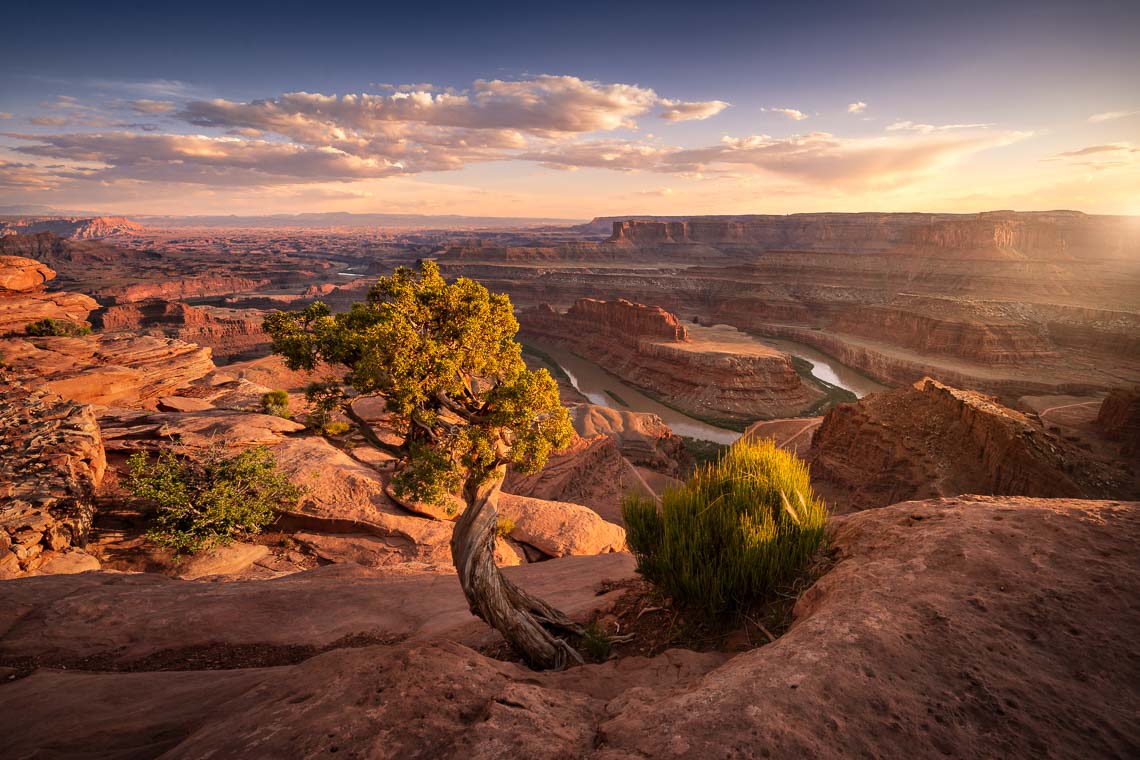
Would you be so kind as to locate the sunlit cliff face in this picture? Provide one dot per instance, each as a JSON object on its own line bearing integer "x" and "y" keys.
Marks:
{"x": 773, "y": 113}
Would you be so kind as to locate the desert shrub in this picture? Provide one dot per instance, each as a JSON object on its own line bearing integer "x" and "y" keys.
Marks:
{"x": 335, "y": 428}
{"x": 323, "y": 398}
{"x": 209, "y": 497}
{"x": 738, "y": 529}
{"x": 276, "y": 403}
{"x": 596, "y": 642}
{"x": 56, "y": 327}
{"x": 504, "y": 526}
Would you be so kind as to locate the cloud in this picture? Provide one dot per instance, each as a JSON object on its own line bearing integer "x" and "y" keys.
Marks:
{"x": 929, "y": 128}
{"x": 560, "y": 122}
{"x": 675, "y": 110}
{"x": 5, "y": 115}
{"x": 49, "y": 121}
{"x": 791, "y": 113}
{"x": 1114, "y": 148}
{"x": 544, "y": 104}
{"x": 857, "y": 107}
{"x": 145, "y": 105}
{"x": 818, "y": 158}
{"x": 158, "y": 89}
{"x": 600, "y": 154}
{"x": 1096, "y": 118}
{"x": 23, "y": 176}
{"x": 197, "y": 159}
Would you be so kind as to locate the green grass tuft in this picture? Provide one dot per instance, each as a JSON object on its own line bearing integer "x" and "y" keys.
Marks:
{"x": 736, "y": 531}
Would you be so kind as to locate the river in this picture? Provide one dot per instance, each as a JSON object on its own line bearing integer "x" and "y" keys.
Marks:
{"x": 826, "y": 368}
{"x": 597, "y": 385}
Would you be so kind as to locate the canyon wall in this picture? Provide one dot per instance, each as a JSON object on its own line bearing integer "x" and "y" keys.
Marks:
{"x": 228, "y": 332}
{"x": 995, "y": 234}
{"x": 934, "y": 440}
{"x": 711, "y": 374}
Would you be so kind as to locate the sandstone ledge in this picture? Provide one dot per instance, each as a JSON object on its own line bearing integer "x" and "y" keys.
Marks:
{"x": 960, "y": 627}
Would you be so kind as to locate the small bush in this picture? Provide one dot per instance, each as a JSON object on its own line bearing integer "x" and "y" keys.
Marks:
{"x": 276, "y": 403}
{"x": 56, "y": 328}
{"x": 596, "y": 642}
{"x": 504, "y": 526}
{"x": 209, "y": 497}
{"x": 335, "y": 428}
{"x": 738, "y": 529}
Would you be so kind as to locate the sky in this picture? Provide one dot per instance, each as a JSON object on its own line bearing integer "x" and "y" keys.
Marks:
{"x": 573, "y": 111}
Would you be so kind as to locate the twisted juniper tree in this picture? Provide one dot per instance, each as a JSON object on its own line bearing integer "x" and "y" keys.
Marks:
{"x": 444, "y": 358}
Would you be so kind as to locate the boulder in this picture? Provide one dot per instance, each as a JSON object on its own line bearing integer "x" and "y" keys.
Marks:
{"x": 227, "y": 559}
{"x": 559, "y": 528}
{"x": 343, "y": 495}
{"x": 19, "y": 274}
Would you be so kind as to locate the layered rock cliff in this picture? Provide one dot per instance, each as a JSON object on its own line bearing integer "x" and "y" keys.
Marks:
{"x": 51, "y": 462}
{"x": 995, "y": 234}
{"x": 24, "y": 299}
{"x": 934, "y": 440}
{"x": 119, "y": 369}
{"x": 716, "y": 373}
{"x": 78, "y": 228}
{"x": 228, "y": 332}
{"x": 976, "y": 331}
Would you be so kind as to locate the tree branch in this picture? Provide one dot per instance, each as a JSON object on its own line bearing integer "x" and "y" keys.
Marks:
{"x": 370, "y": 434}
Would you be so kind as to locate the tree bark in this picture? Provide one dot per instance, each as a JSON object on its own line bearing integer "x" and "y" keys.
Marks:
{"x": 526, "y": 622}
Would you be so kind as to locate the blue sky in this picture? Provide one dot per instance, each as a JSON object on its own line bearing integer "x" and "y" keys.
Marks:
{"x": 966, "y": 106}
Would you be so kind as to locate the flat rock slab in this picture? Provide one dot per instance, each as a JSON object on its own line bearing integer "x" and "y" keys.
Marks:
{"x": 966, "y": 627}
{"x": 116, "y": 619}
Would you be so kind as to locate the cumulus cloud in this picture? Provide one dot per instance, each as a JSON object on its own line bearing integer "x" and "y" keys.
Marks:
{"x": 145, "y": 105}
{"x": 560, "y": 122}
{"x": 1096, "y": 118}
{"x": 792, "y": 113}
{"x": 5, "y": 115}
{"x": 857, "y": 107}
{"x": 675, "y": 110}
{"x": 544, "y": 104}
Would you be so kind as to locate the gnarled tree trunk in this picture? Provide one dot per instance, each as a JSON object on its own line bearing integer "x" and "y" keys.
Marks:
{"x": 523, "y": 620}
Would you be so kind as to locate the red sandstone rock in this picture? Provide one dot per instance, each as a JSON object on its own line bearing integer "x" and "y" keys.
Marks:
{"x": 51, "y": 462}
{"x": 710, "y": 372}
{"x": 934, "y": 440}
{"x": 20, "y": 274}
{"x": 1119, "y": 418}
{"x": 109, "y": 369}
{"x": 956, "y": 627}
{"x": 591, "y": 472}
{"x": 560, "y": 529}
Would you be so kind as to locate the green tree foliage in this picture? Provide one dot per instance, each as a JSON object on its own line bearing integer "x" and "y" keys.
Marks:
{"x": 209, "y": 497}
{"x": 56, "y": 327}
{"x": 444, "y": 358}
{"x": 733, "y": 533}
{"x": 276, "y": 403}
